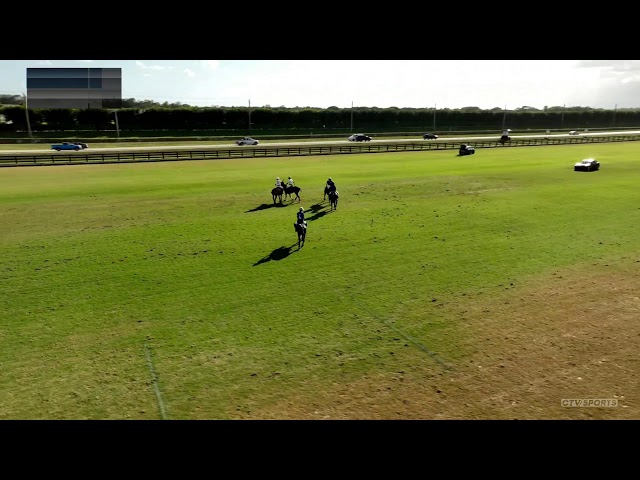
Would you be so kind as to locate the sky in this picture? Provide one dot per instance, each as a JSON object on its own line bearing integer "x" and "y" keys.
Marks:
{"x": 486, "y": 84}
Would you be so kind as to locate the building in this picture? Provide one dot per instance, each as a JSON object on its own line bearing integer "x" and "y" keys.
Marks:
{"x": 74, "y": 87}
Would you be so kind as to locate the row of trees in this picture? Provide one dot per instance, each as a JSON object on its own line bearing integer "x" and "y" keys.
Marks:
{"x": 14, "y": 119}
{"x": 125, "y": 103}
{"x": 133, "y": 103}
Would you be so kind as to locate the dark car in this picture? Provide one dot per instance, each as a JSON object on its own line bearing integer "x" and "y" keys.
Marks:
{"x": 430, "y": 136}
{"x": 359, "y": 137}
{"x": 466, "y": 150}
{"x": 587, "y": 165}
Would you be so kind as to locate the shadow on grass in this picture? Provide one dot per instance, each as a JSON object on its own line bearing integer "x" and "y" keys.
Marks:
{"x": 318, "y": 215}
{"x": 316, "y": 207}
{"x": 265, "y": 206}
{"x": 278, "y": 254}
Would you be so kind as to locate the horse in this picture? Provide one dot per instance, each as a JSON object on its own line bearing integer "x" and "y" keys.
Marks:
{"x": 301, "y": 230}
{"x": 327, "y": 190}
{"x": 277, "y": 194}
{"x": 289, "y": 190}
{"x": 504, "y": 139}
{"x": 333, "y": 199}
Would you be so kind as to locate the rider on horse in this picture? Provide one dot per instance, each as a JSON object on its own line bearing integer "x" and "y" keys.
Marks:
{"x": 278, "y": 182}
{"x": 300, "y": 218}
{"x": 331, "y": 187}
{"x": 290, "y": 182}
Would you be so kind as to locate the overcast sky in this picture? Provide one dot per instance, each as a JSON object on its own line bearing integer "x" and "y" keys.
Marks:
{"x": 367, "y": 83}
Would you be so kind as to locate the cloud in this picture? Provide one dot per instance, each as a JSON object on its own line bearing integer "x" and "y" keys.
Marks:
{"x": 152, "y": 67}
{"x": 210, "y": 64}
{"x": 45, "y": 62}
{"x": 189, "y": 73}
{"x": 146, "y": 75}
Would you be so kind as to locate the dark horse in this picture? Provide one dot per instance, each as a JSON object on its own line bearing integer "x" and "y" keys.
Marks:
{"x": 289, "y": 190}
{"x": 333, "y": 199}
{"x": 327, "y": 190}
{"x": 301, "y": 230}
{"x": 277, "y": 194}
{"x": 504, "y": 139}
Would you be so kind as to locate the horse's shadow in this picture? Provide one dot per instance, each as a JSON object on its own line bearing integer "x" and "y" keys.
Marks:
{"x": 278, "y": 254}
{"x": 316, "y": 207}
{"x": 318, "y": 215}
{"x": 264, "y": 206}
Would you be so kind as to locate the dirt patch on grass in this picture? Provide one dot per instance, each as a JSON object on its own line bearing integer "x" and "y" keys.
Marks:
{"x": 575, "y": 335}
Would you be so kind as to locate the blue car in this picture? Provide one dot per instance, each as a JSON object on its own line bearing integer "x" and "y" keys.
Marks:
{"x": 69, "y": 146}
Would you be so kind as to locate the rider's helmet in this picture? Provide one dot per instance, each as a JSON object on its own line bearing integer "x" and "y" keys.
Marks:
{"x": 329, "y": 178}
{"x": 289, "y": 178}
{"x": 301, "y": 209}
{"x": 277, "y": 178}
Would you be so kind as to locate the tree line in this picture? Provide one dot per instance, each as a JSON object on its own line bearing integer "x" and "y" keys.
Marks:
{"x": 13, "y": 118}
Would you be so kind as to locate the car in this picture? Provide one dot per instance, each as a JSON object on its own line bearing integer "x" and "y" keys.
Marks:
{"x": 359, "y": 137}
{"x": 247, "y": 141}
{"x": 466, "y": 150}
{"x": 587, "y": 165}
{"x": 430, "y": 136}
{"x": 81, "y": 145}
{"x": 573, "y": 132}
{"x": 66, "y": 146}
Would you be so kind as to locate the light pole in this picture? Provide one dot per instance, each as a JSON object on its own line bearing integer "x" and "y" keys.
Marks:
{"x": 504, "y": 117}
{"x": 115, "y": 112}
{"x": 614, "y": 114}
{"x": 26, "y": 112}
{"x": 351, "y": 116}
{"x": 562, "y": 116}
{"x": 249, "y": 114}
{"x": 435, "y": 107}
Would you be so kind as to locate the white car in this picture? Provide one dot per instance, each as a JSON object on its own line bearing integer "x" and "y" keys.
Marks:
{"x": 247, "y": 141}
{"x": 573, "y": 132}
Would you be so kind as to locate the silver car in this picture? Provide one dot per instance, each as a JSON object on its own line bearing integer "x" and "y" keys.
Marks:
{"x": 247, "y": 141}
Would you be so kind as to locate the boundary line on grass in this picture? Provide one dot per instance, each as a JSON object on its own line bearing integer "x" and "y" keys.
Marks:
{"x": 408, "y": 337}
{"x": 154, "y": 381}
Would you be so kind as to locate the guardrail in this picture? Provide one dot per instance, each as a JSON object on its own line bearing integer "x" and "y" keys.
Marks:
{"x": 75, "y": 158}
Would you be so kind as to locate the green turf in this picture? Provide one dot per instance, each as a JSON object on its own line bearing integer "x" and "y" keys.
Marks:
{"x": 118, "y": 276}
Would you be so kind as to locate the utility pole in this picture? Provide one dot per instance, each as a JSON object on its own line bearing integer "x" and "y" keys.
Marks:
{"x": 351, "y": 116}
{"x": 117, "y": 125}
{"x": 249, "y": 114}
{"x": 435, "y": 107}
{"x": 26, "y": 112}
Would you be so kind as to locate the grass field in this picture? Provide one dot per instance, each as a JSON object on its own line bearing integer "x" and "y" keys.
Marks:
{"x": 484, "y": 287}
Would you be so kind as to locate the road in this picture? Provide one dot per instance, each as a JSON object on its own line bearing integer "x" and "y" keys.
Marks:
{"x": 46, "y": 148}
